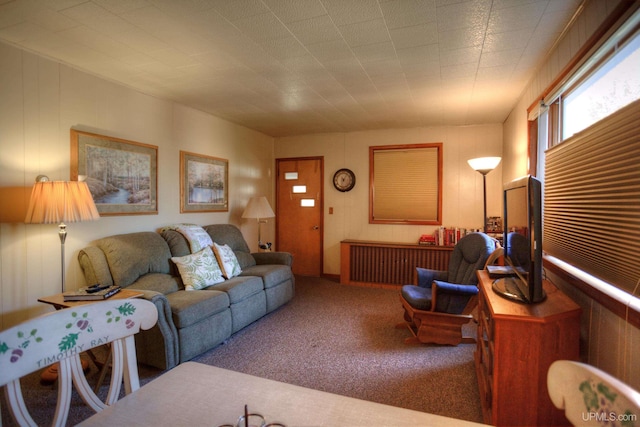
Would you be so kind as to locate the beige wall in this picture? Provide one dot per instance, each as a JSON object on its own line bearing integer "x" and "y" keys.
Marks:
{"x": 608, "y": 341}
{"x": 41, "y": 100}
{"x": 462, "y": 186}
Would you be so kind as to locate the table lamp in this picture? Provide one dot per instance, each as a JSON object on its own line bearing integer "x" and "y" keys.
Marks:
{"x": 59, "y": 202}
{"x": 484, "y": 165}
{"x": 259, "y": 208}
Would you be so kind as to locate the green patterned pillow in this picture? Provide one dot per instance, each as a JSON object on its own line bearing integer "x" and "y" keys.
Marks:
{"x": 227, "y": 260}
{"x": 199, "y": 270}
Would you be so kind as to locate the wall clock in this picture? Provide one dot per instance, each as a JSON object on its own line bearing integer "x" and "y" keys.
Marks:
{"x": 344, "y": 180}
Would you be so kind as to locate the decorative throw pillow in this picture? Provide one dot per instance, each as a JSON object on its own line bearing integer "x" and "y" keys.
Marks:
{"x": 227, "y": 260}
{"x": 199, "y": 270}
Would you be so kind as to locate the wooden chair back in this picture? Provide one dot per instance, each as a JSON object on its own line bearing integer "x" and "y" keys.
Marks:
{"x": 60, "y": 337}
{"x": 591, "y": 397}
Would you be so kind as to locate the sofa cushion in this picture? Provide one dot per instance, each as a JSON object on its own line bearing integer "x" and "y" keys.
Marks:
{"x": 188, "y": 308}
{"x": 158, "y": 282}
{"x": 227, "y": 260}
{"x": 135, "y": 254}
{"x": 199, "y": 270}
{"x": 271, "y": 275}
{"x": 239, "y": 288}
{"x": 228, "y": 234}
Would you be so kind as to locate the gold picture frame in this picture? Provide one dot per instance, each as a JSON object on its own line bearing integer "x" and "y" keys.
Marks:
{"x": 122, "y": 175}
{"x": 204, "y": 183}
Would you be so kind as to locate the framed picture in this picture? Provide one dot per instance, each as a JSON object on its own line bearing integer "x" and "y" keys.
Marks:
{"x": 204, "y": 183}
{"x": 122, "y": 175}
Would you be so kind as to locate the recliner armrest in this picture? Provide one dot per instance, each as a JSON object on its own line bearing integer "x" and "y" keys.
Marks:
{"x": 455, "y": 289}
{"x": 264, "y": 258}
{"x": 426, "y": 276}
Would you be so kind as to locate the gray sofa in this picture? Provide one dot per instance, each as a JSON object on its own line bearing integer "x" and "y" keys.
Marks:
{"x": 189, "y": 322}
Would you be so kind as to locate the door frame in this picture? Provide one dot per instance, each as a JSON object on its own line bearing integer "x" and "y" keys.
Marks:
{"x": 321, "y": 202}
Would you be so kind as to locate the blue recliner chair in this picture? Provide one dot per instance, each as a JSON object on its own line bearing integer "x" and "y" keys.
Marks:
{"x": 441, "y": 302}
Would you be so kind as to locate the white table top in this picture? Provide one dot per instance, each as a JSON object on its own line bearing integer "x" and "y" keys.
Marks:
{"x": 193, "y": 394}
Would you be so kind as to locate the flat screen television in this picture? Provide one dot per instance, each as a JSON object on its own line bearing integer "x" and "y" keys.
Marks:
{"x": 522, "y": 242}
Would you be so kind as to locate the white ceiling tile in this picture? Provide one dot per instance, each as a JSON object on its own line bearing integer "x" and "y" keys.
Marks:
{"x": 364, "y": 33}
{"x": 330, "y": 51}
{"x": 458, "y": 39}
{"x": 296, "y": 10}
{"x": 261, "y": 28}
{"x": 407, "y": 13}
{"x": 375, "y": 52}
{"x": 464, "y": 15}
{"x": 24, "y": 32}
{"x": 419, "y": 54}
{"x": 385, "y": 66}
{"x": 416, "y": 35}
{"x": 461, "y": 56}
{"x": 349, "y": 11}
{"x": 121, "y": 6}
{"x": 99, "y": 42}
{"x": 283, "y": 48}
{"x": 287, "y": 67}
{"x": 516, "y": 17}
{"x": 503, "y": 57}
{"x": 508, "y": 40}
{"x": 239, "y": 9}
{"x": 315, "y": 30}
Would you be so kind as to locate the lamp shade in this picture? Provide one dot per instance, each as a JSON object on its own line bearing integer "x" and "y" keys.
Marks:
{"x": 258, "y": 207}
{"x": 484, "y": 165}
{"x": 61, "y": 201}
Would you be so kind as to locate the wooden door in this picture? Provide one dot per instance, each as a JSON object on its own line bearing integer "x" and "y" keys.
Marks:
{"x": 299, "y": 207}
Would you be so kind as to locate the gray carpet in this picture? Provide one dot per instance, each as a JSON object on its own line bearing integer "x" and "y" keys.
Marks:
{"x": 334, "y": 338}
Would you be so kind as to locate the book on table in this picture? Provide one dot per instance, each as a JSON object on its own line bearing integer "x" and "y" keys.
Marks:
{"x": 92, "y": 293}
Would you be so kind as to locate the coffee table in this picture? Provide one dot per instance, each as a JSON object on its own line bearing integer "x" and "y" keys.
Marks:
{"x": 194, "y": 394}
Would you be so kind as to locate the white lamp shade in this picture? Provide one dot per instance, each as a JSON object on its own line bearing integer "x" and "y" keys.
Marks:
{"x": 484, "y": 165}
{"x": 54, "y": 202}
{"x": 258, "y": 207}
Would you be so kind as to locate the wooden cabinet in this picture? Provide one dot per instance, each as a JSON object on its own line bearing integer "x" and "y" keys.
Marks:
{"x": 516, "y": 345}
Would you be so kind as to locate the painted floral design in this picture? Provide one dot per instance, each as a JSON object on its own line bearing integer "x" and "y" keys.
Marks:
{"x": 78, "y": 324}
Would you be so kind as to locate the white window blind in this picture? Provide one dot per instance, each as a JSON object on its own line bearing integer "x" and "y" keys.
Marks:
{"x": 592, "y": 199}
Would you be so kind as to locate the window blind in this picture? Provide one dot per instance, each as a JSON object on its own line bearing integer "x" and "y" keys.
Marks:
{"x": 406, "y": 185}
{"x": 592, "y": 199}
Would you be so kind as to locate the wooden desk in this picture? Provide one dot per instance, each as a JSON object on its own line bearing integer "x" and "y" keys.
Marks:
{"x": 193, "y": 394}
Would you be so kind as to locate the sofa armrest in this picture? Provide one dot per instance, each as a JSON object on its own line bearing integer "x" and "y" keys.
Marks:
{"x": 283, "y": 258}
{"x": 159, "y": 346}
{"x": 95, "y": 266}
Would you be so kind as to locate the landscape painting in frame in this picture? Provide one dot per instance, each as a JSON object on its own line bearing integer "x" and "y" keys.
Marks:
{"x": 122, "y": 175}
{"x": 204, "y": 183}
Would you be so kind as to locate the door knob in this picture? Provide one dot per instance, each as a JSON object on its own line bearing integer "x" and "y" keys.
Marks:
{"x": 315, "y": 227}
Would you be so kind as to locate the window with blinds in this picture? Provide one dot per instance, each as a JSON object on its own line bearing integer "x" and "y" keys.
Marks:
{"x": 592, "y": 199}
{"x": 406, "y": 184}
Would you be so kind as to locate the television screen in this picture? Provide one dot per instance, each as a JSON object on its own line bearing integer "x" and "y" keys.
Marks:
{"x": 522, "y": 241}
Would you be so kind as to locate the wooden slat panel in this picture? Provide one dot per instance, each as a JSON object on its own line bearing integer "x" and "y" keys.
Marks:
{"x": 378, "y": 263}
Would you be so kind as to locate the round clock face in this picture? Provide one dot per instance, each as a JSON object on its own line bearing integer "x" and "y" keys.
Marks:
{"x": 344, "y": 180}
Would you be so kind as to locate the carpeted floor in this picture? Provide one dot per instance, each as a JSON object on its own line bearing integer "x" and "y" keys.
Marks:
{"x": 339, "y": 339}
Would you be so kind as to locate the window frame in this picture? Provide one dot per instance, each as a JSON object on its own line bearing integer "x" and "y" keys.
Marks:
{"x": 618, "y": 300}
{"x": 437, "y": 198}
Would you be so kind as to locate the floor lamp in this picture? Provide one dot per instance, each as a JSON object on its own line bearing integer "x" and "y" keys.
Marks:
{"x": 484, "y": 165}
{"x": 259, "y": 208}
{"x": 59, "y": 202}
